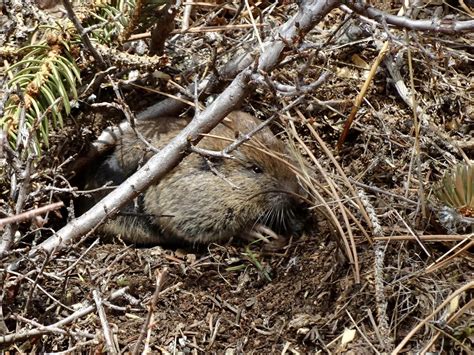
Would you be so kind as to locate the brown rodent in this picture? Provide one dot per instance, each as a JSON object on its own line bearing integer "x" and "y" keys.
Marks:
{"x": 204, "y": 199}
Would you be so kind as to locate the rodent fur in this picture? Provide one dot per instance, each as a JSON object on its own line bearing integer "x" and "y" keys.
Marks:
{"x": 197, "y": 203}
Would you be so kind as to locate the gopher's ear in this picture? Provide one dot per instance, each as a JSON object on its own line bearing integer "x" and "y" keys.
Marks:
{"x": 227, "y": 123}
{"x": 110, "y": 170}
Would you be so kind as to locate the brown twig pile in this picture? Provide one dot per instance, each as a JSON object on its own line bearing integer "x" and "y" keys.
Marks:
{"x": 378, "y": 102}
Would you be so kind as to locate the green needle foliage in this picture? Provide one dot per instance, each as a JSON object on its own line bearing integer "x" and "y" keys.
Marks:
{"x": 457, "y": 189}
{"x": 121, "y": 18}
{"x": 43, "y": 83}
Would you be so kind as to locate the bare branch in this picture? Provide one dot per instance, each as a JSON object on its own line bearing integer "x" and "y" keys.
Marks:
{"x": 159, "y": 277}
{"x": 445, "y": 25}
{"x": 56, "y": 326}
{"x": 72, "y": 16}
{"x": 30, "y": 214}
{"x": 154, "y": 169}
{"x": 105, "y": 324}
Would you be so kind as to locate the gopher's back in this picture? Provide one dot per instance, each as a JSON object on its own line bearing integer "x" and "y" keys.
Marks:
{"x": 132, "y": 223}
{"x": 203, "y": 199}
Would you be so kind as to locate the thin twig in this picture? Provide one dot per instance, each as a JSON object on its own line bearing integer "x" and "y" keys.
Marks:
{"x": 52, "y": 329}
{"x": 105, "y": 324}
{"x": 160, "y": 278}
{"x": 427, "y": 238}
{"x": 448, "y": 26}
{"x": 361, "y": 95}
{"x": 30, "y": 214}
{"x": 199, "y": 29}
{"x": 85, "y": 38}
{"x": 23, "y": 335}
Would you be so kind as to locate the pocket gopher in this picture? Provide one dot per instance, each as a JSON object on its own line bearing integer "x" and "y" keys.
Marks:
{"x": 204, "y": 199}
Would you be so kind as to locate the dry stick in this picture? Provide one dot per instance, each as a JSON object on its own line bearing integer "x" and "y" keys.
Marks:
{"x": 448, "y": 26}
{"x": 85, "y": 38}
{"x": 22, "y": 187}
{"x": 3, "y": 292}
{"x": 39, "y": 276}
{"x": 362, "y": 333}
{"x": 214, "y": 329}
{"x": 111, "y": 348}
{"x": 308, "y": 15}
{"x": 405, "y": 340}
{"x": 427, "y": 238}
{"x": 379, "y": 256}
{"x": 439, "y": 263}
{"x": 252, "y": 20}
{"x": 159, "y": 277}
{"x": 188, "y": 8}
{"x": 30, "y": 214}
{"x": 199, "y": 29}
{"x": 47, "y": 329}
{"x": 53, "y": 329}
{"x": 361, "y": 95}
{"x": 8, "y": 235}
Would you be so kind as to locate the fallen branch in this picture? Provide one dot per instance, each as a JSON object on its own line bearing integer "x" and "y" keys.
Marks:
{"x": 111, "y": 348}
{"x": 427, "y": 238}
{"x": 160, "y": 277}
{"x": 53, "y": 328}
{"x": 30, "y": 214}
{"x": 309, "y": 14}
{"x": 85, "y": 38}
{"x": 446, "y": 25}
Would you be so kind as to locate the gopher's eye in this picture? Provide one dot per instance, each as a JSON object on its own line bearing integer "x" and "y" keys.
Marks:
{"x": 256, "y": 169}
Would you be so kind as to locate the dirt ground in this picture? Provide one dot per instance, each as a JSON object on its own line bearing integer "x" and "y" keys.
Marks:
{"x": 237, "y": 299}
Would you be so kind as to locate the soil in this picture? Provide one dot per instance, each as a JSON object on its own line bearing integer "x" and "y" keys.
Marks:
{"x": 236, "y": 298}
